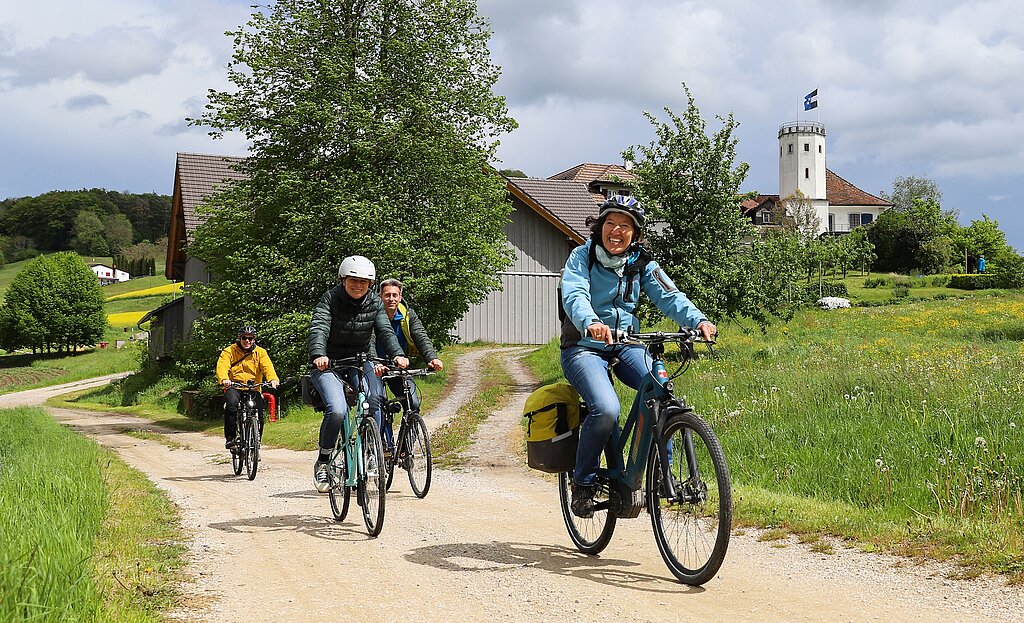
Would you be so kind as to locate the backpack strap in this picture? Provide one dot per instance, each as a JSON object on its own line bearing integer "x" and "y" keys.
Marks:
{"x": 561, "y": 424}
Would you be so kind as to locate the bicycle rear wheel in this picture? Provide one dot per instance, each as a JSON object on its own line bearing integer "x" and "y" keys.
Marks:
{"x": 418, "y": 461}
{"x": 590, "y": 535}
{"x": 252, "y": 445}
{"x": 371, "y": 481}
{"x": 692, "y": 530}
{"x": 339, "y": 493}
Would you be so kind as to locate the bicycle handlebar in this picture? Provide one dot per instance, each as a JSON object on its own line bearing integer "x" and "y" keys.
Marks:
{"x": 402, "y": 372}
{"x": 356, "y": 361}
{"x": 693, "y": 336}
{"x": 250, "y": 386}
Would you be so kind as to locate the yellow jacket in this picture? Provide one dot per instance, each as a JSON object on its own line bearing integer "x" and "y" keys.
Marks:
{"x": 237, "y": 365}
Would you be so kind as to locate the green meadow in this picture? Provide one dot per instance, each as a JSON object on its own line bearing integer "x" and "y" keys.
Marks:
{"x": 82, "y": 536}
{"x": 896, "y": 427}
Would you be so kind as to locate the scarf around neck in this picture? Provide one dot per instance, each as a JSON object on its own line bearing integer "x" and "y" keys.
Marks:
{"x": 616, "y": 263}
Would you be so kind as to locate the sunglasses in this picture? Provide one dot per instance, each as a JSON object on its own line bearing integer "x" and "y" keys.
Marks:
{"x": 247, "y": 337}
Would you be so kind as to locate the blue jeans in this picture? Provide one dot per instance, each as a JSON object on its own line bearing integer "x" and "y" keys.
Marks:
{"x": 332, "y": 390}
{"x": 586, "y": 369}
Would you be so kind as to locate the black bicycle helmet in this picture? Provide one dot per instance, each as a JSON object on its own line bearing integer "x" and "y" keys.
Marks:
{"x": 248, "y": 330}
{"x": 625, "y": 205}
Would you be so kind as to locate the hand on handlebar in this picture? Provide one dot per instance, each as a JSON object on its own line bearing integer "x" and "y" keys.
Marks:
{"x": 402, "y": 362}
{"x": 321, "y": 363}
{"x": 708, "y": 330}
{"x": 435, "y": 364}
{"x": 601, "y": 332}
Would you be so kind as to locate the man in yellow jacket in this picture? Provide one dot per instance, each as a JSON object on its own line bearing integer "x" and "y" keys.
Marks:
{"x": 242, "y": 362}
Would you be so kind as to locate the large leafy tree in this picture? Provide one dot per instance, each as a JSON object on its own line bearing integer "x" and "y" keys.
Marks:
{"x": 915, "y": 239}
{"x": 690, "y": 182}
{"x": 372, "y": 123}
{"x": 907, "y": 190}
{"x": 88, "y": 234}
{"x": 54, "y": 303}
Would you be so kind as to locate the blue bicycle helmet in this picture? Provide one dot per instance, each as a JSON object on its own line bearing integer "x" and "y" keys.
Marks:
{"x": 625, "y": 205}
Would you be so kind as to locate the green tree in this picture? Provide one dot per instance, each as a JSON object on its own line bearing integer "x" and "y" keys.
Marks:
{"x": 907, "y": 190}
{"x": 906, "y": 240}
{"x": 372, "y": 123}
{"x": 54, "y": 303}
{"x": 512, "y": 173}
{"x": 117, "y": 232}
{"x": 980, "y": 238}
{"x": 88, "y": 235}
{"x": 690, "y": 184}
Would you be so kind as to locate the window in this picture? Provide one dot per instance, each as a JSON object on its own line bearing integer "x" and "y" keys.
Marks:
{"x": 807, "y": 147}
{"x": 807, "y": 174}
{"x": 819, "y": 149}
{"x": 866, "y": 218}
{"x": 854, "y": 220}
{"x": 790, "y": 150}
{"x": 766, "y": 217}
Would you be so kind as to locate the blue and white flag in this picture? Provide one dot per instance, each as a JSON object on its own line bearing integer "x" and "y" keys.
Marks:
{"x": 811, "y": 100}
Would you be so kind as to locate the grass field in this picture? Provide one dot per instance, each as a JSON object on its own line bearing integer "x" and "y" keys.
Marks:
{"x": 897, "y": 427}
{"x": 82, "y": 536}
{"x": 18, "y": 372}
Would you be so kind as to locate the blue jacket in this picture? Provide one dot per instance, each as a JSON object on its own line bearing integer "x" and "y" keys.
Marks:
{"x": 592, "y": 293}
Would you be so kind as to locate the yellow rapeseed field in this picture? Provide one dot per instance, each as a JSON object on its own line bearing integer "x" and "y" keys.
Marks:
{"x": 169, "y": 288}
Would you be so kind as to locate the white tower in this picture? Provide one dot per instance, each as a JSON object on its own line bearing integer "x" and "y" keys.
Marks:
{"x": 802, "y": 166}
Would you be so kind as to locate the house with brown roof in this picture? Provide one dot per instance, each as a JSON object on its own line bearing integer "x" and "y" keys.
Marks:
{"x": 547, "y": 222}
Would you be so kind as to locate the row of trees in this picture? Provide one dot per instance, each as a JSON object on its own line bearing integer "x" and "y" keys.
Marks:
{"x": 136, "y": 267}
{"x": 53, "y": 304}
{"x": 91, "y": 222}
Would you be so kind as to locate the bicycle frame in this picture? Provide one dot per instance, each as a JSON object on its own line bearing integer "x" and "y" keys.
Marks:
{"x": 643, "y": 426}
{"x": 353, "y": 445}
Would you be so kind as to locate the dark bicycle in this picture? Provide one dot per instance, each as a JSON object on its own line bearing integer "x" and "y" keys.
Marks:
{"x": 411, "y": 452}
{"x": 248, "y": 428}
{"x": 673, "y": 465}
{"x": 357, "y": 462}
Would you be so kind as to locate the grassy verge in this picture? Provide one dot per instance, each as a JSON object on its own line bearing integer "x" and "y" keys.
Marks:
{"x": 18, "y": 372}
{"x": 897, "y": 428}
{"x": 82, "y": 536}
{"x": 448, "y": 442}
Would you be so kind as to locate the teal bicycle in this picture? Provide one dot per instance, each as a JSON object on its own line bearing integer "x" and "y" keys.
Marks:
{"x": 665, "y": 459}
{"x": 357, "y": 463}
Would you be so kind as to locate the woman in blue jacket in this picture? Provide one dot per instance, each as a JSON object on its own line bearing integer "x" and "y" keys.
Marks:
{"x": 601, "y": 285}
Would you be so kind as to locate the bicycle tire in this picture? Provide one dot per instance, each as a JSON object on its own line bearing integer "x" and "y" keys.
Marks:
{"x": 692, "y": 536}
{"x": 252, "y": 433}
{"x": 418, "y": 461}
{"x": 339, "y": 494}
{"x": 589, "y": 535}
{"x": 371, "y": 491}
{"x": 237, "y": 459}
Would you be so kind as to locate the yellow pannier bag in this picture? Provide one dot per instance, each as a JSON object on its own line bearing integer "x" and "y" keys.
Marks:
{"x": 553, "y": 430}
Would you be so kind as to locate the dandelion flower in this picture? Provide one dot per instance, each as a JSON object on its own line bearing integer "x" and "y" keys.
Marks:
{"x": 980, "y": 442}
{"x": 879, "y": 462}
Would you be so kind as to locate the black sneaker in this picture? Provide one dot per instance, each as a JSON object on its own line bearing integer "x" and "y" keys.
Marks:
{"x": 582, "y": 501}
{"x": 230, "y": 444}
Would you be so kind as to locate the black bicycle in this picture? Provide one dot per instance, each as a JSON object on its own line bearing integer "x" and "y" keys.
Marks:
{"x": 248, "y": 428}
{"x": 411, "y": 449}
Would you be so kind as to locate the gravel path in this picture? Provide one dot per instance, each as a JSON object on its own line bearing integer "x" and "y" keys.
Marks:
{"x": 488, "y": 543}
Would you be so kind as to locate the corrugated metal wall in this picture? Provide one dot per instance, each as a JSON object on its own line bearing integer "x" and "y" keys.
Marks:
{"x": 525, "y": 311}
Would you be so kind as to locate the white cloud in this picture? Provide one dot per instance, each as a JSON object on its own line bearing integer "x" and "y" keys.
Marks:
{"x": 85, "y": 101}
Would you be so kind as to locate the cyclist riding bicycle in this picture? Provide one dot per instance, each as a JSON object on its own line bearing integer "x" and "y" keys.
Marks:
{"x": 601, "y": 284}
{"x": 344, "y": 324}
{"x": 412, "y": 337}
{"x": 241, "y": 362}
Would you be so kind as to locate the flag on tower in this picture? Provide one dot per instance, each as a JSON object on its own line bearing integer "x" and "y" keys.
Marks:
{"x": 811, "y": 100}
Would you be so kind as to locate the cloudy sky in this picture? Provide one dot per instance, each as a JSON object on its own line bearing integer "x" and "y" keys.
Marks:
{"x": 94, "y": 93}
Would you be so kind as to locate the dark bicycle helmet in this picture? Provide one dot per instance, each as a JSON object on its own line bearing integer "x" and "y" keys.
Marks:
{"x": 247, "y": 330}
{"x": 624, "y": 205}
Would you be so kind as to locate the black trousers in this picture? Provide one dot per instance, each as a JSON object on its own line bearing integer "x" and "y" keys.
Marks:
{"x": 231, "y": 399}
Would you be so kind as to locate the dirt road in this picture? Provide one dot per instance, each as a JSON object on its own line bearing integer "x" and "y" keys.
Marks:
{"x": 488, "y": 544}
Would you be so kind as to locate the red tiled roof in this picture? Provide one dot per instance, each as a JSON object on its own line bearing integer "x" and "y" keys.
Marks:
{"x": 751, "y": 205}
{"x": 199, "y": 176}
{"x": 591, "y": 174}
{"x": 567, "y": 202}
{"x": 842, "y": 193}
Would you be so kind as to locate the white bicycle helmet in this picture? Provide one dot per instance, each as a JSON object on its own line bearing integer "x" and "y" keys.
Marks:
{"x": 357, "y": 266}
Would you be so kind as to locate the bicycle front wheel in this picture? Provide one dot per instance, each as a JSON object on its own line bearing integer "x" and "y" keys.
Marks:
{"x": 371, "y": 482}
{"x": 237, "y": 457}
{"x": 389, "y": 458}
{"x": 252, "y": 445}
{"x": 691, "y": 529}
{"x": 418, "y": 461}
{"x": 589, "y": 535}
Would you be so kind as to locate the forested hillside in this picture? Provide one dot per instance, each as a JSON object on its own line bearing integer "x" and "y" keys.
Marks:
{"x": 93, "y": 222}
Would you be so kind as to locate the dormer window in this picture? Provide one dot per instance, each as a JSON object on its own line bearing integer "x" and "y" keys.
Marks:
{"x": 766, "y": 217}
